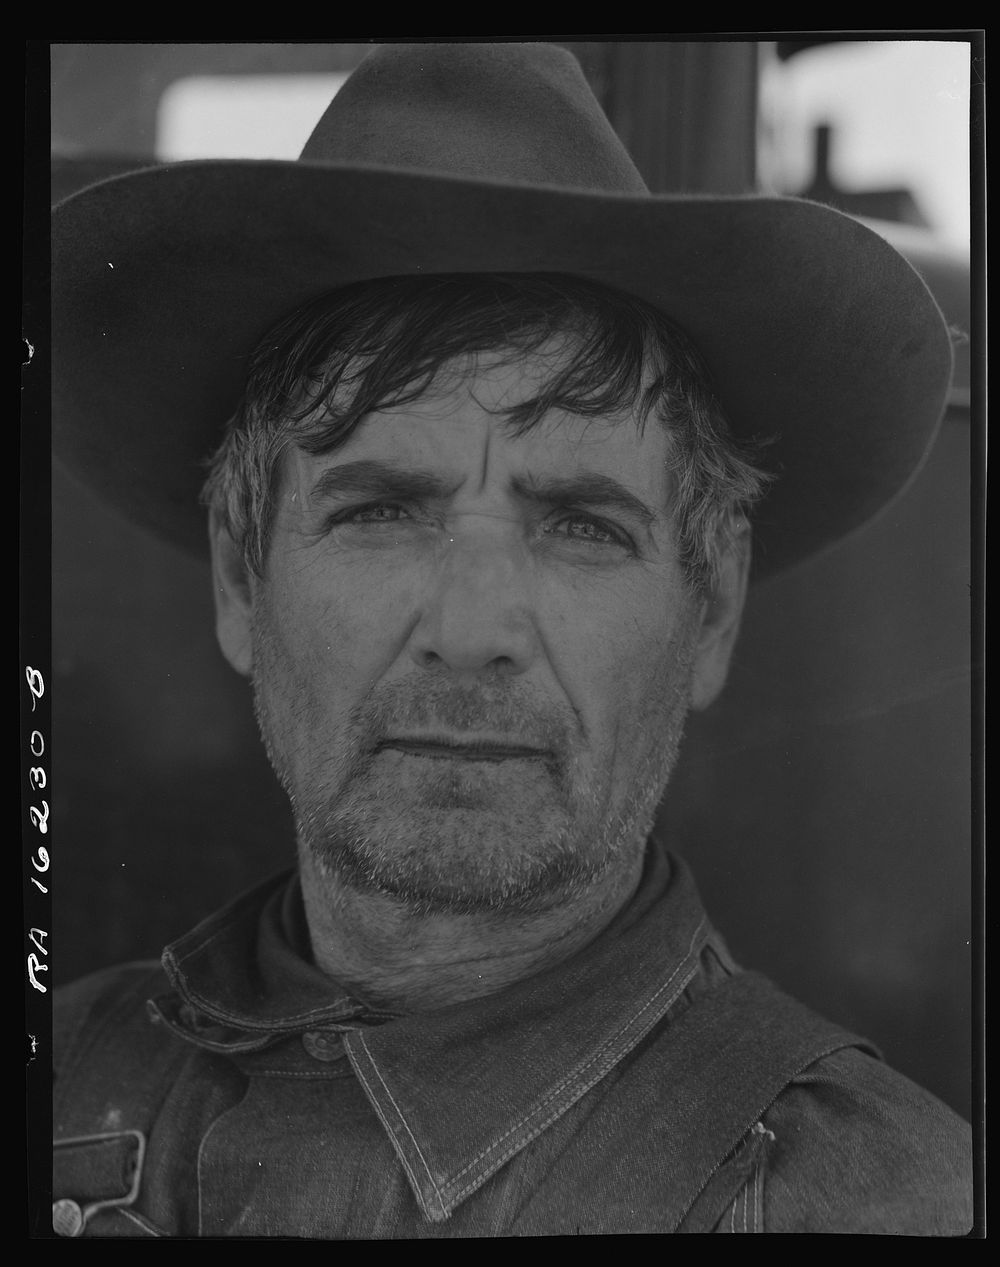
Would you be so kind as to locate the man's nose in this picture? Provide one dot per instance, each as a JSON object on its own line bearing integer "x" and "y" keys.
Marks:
{"x": 477, "y": 614}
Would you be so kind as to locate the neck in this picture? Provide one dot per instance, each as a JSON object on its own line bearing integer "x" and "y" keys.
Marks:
{"x": 391, "y": 957}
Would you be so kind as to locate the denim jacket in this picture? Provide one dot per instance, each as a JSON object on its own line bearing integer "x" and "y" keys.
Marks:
{"x": 645, "y": 1085}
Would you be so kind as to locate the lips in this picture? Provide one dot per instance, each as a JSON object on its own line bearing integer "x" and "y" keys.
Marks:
{"x": 453, "y": 749}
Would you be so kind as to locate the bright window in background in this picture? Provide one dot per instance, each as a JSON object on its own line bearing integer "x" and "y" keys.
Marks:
{"x": 241, "y": 116}
{"x": 899, "y": 113}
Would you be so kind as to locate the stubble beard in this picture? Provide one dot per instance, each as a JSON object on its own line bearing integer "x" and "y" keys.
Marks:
{"x": 452, "y": 845}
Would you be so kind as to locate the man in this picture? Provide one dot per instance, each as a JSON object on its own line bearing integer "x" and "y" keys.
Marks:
{"x": 480, "y": 539}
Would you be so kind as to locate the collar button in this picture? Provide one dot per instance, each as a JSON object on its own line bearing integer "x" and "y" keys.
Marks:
{"x": 323, "y": 1045}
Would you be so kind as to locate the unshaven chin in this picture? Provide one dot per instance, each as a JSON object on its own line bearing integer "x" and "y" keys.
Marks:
{"x": 522, "y": 835}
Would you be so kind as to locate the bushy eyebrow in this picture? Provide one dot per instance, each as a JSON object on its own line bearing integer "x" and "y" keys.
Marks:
{"x": 376, "y": 477}
{"x": 584, "y": 489}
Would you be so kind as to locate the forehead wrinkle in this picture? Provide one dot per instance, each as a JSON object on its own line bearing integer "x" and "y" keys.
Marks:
{"x": 486, "y": 459}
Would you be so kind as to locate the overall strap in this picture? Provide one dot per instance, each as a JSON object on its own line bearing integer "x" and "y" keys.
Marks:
{"x": 110, "y": 1084}
{"x": 736, "y": 1049}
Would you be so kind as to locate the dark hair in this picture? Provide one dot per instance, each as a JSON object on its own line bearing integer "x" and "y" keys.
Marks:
{"x": 381, "y": 344}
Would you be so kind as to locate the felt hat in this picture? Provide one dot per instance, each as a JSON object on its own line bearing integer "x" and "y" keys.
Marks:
{"x": 460, "y": 158}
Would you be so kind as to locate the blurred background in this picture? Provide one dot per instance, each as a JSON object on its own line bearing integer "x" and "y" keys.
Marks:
{"x": 824, "y": 803}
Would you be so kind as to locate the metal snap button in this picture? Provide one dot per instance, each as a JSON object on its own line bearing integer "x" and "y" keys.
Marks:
{"x": 67, "y": 1217}
{"x": 323, "y": 1045}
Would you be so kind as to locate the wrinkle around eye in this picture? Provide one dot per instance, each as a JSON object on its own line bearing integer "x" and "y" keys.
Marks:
{"x": 597, "y": 534}
{"x": 375, "y": 517}
{"x": 370, "y": 513}
{"x": 576, "y": 536}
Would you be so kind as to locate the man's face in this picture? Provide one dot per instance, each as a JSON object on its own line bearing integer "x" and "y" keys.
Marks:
{"x": 473, "y": 652}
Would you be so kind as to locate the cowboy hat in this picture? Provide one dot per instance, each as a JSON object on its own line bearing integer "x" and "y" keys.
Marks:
{"x": 461, "y": 158}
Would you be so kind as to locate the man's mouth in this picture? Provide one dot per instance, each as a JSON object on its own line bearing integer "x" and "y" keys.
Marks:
{"x": 465, "y": 748}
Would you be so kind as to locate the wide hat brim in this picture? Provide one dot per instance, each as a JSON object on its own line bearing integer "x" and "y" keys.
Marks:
{"x": 816, "y": 333}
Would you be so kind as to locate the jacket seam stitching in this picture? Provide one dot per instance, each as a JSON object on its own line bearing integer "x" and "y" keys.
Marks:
{"x": 406, "y": 1127}
{"x": 170, "y": 957}
{"x": 319, "y": 1075}
{"x": 198, "y": 1175}
{"x": 142, "y": 1222}
{"x": 239, "y": 1020}
{"x": 581, "y": 1069}
{"x": 518, "y": 1144}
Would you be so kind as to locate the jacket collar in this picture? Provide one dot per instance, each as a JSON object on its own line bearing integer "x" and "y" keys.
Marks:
{"x": 246, "y": 982}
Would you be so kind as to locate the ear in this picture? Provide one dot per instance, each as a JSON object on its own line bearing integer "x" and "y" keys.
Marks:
{"x": 722, "y": 612}
{"x": 232, "y": 587}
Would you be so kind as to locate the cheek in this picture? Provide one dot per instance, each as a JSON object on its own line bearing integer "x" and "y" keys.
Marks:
{"x": 619, "y": 648}
{"x": 331, "y": 630}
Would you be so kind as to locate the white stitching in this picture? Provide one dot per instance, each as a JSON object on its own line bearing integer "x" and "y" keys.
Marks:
{"x": 201, "y": 1149}
{"x": 371, "y": 1061}
{"x": 142, "y": 1222}
{"x": 537, "y": 1129}
{"x": 382, "y": 1118}
{"x": 316, "y": 1075}
{"x": 574, "y": 1074}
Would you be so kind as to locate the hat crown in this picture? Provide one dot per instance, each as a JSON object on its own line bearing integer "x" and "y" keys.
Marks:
{"x": 520, "y": 113}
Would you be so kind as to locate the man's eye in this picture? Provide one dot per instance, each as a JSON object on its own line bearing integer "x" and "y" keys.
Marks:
{"x": 375, "y": 513}
{"x": 588, "y": 530}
